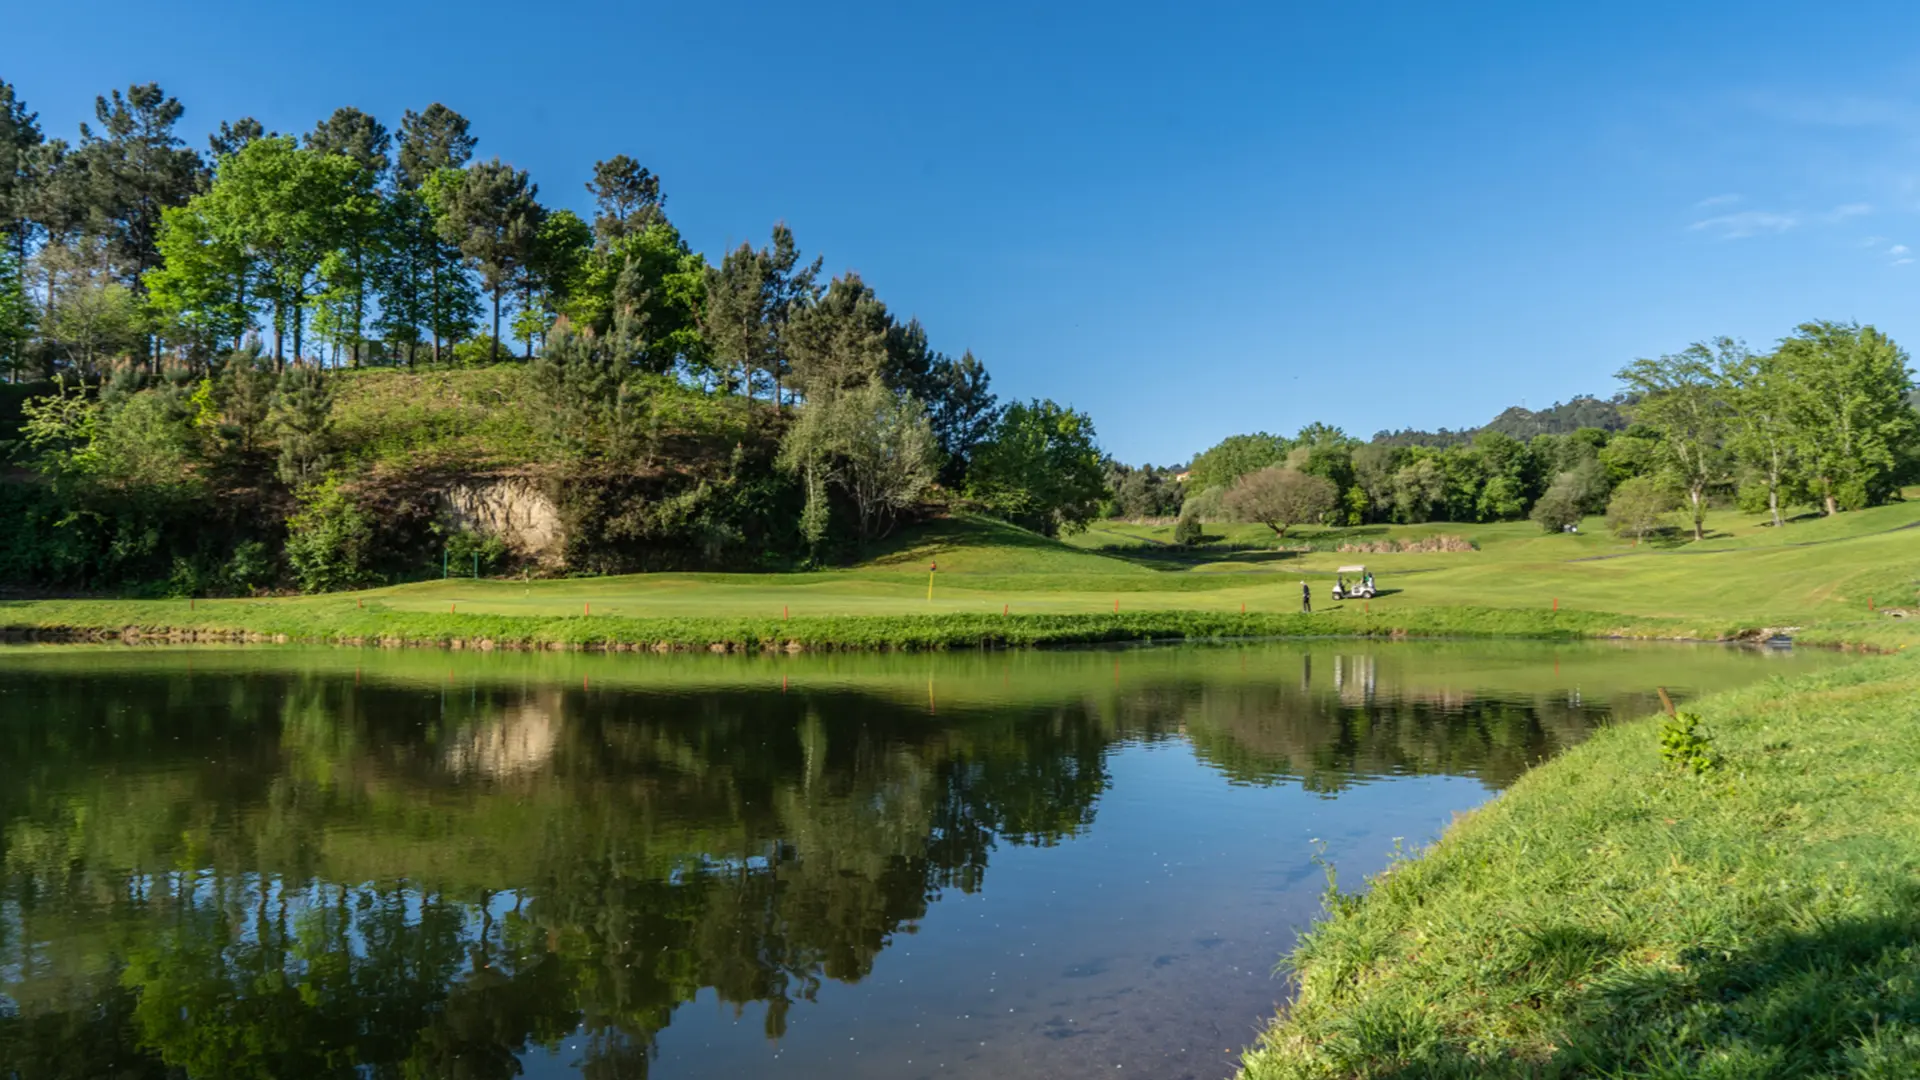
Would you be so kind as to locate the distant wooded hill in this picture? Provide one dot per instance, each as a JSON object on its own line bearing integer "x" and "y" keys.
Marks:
{"x": 1560, "y": 418}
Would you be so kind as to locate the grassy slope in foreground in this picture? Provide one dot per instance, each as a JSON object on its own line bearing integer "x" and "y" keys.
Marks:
{"x": 1610, "y": 917}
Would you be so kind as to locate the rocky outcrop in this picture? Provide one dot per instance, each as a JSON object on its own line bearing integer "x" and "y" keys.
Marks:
{"x": 513, "y": 508}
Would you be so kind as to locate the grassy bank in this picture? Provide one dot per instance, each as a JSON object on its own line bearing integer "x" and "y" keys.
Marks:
{"x": 335, "y": 621}
{"x": 1611, "y": 916}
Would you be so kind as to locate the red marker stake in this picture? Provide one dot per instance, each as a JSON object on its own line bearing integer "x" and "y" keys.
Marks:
{"x": 451, "y": 607}
{"x": 783, "y": 613}
{"x": 1116, "y": 605}
{"x": 1556, "y": 603}
{"x": 586, "y": 608}
{"x": 1006, "y": 609}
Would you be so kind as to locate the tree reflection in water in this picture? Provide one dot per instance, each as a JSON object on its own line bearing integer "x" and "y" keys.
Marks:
{"x": 278, "y": 871}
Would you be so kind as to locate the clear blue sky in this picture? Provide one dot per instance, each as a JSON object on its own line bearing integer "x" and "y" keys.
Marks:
{"x": 1189, "y": 220}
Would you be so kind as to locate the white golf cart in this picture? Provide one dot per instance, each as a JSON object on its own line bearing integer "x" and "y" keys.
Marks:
{"x": 1361, "y": 588}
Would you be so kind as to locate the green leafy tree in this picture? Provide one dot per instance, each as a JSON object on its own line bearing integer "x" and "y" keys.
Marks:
{"x": 644, "y": 294}
{"x": 1683, "y": 398}
{"x": 1040, "y": 469}
{"x": 493, "y": 216}
{"x": 362, "y": 139}
{"x": 1847, "y": 410}
{"x": 1559, "y": 507}
{"x": 1639, "y": 507}
{"x": 1761, "y": 434}
{"x": 282, "y": 213}
{"x": 1233, "y": 457}
{"x": 1281, "y": 497}
{"x": 92, "y": 320}
{"x": 205, "y": 285}
{"x": 423, "y": 285}
{"x": 559, "y": 262}
{"x": 872, "y": 444}
{"x": 1418, "y": 487}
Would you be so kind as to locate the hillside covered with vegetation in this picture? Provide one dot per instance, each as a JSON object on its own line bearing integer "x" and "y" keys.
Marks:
{"x": 360, "y": 356}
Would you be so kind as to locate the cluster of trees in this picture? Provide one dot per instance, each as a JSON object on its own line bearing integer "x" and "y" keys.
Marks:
{"x": 1827, "y": 419}
{"x": 190, "y": 308}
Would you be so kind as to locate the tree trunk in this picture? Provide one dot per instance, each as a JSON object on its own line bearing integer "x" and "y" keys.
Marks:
{"x": 496, "y": 326}
{"x": 1773, "y": 500}
{"x": 1698, "y": 498}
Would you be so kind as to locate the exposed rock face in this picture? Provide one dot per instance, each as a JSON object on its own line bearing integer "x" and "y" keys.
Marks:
{"x": 512, "y": 508}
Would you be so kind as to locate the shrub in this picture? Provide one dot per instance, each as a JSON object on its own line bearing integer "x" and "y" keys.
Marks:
{"x": 249, "y": 568}
{"x": 1687, "y": 746}
{"x": 469, "y": 552}
{"x": 1188, "y": 530}
{"x": 329, "y": 540}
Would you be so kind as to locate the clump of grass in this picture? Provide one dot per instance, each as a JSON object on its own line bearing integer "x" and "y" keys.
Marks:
{"x": 1605, "y": 917}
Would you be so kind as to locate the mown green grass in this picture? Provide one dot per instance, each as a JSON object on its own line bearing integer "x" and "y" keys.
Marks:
{"x": 1824, "y": 581}
{"x": 1609, "y": 916}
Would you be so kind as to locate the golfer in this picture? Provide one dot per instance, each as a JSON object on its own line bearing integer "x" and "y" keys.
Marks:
{"x": 1306, "y": 599}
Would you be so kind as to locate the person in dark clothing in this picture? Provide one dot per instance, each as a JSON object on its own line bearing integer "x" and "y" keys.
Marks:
{"x": 1306, "y": 599}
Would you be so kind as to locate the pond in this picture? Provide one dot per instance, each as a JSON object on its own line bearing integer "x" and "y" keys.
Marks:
{"x": 285, "y": 862}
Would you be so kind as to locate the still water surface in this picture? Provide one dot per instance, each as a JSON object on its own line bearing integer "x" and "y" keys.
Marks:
{"x": 298, "y": 863}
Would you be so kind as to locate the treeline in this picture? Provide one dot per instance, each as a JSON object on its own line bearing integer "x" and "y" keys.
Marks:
{"x": 1560, "y": 418}
{"x": 194, "y": 313}
{"x": 1828, "y": 419}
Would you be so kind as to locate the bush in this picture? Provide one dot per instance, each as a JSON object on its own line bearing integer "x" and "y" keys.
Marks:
{"x": 329, "y": 540}
{"x": 469, "y": 552}
{"x": 1188, "y": 530}
{"x": 251, "y": 567}
{"x": 1687, "y": 746}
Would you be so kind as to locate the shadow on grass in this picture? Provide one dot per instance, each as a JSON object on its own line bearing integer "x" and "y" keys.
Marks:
{"x": 1186, "y": 558}
{"x": 1839, "y": 1000}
